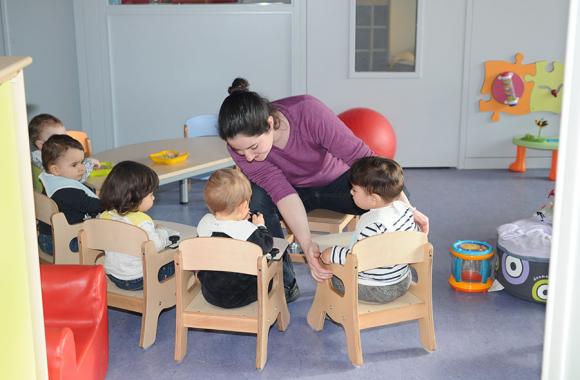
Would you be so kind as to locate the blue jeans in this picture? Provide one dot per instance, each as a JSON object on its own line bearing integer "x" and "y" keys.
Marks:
{"x": 165, "y": 272}
{"x": 335, "y": 197}
{"x": 45, "y": 243}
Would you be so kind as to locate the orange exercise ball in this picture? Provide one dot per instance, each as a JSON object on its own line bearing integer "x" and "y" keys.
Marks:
{"x": 372, "y": 128}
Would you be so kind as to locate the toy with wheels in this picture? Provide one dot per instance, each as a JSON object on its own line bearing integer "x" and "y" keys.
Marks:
{"x": 524, "y": 251}
{"x": 471, "y": 269}
{"x": 372, "y": 128}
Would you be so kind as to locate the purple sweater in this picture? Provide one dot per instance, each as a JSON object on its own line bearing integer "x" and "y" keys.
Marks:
{"x": 320, "y": 149}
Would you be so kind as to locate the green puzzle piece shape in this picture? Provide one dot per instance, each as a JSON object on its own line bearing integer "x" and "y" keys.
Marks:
{"x": 545, "y": 84}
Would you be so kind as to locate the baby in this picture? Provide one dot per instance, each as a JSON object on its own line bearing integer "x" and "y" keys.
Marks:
{"x": 227, "y": 195}
{"x": 377, "y": 184}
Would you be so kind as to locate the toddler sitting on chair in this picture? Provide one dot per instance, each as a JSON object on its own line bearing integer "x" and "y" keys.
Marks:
{"x": 62, "y": 159}
{"x": 127, "y": 194}
{"x": 227, "y": 195}
{"x": 377, "y": 184}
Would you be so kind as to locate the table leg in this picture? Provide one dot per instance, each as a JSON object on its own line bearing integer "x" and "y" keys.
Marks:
{"x": 554, "y": 167}
{"x": 519, "y": 165}
{"x": 183, "y": 193}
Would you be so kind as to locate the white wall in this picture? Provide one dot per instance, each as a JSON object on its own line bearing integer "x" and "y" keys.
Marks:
{"x": 497, "y": 30}
{"x": 146, "y": 69}
{"x": 45, "y": 31}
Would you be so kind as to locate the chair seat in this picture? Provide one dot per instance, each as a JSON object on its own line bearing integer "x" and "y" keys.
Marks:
{"x": 405, "y": 300}
{"x": 202, "y": 311}
{"x": 125, "y": 299}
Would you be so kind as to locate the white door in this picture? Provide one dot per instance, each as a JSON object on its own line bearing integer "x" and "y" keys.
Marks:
{"x": 423, "y": 108}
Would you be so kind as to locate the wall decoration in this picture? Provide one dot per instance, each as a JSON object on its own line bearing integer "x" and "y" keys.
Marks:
{"x": 547, "y": 92}
{"x": 538, "y": 91}
{"x": 493, "y": 69}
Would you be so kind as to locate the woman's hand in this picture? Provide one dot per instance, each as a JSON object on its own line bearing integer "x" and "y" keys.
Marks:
{"x": 422, "y": 221}
{"x": 318, "y": 272}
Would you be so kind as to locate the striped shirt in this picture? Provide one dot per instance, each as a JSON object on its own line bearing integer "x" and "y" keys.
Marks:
{"x": 397, "y": 216}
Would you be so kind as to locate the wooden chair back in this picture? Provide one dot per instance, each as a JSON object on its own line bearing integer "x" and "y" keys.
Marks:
{"x": 224, "y": 254}
{"x": 84, "y": 139}
{"x": 382, "y": 250}
{"x": 62, "y": 232}
{"x": 100, "y": 235}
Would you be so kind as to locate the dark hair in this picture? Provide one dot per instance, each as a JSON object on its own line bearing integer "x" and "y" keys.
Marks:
{"x": 378, "y": 175}
{"x": 38, "y": 123}
{"x": 55, "y": 147}
{"x": 245, "y": 112}
{"x": 127, "y": 185}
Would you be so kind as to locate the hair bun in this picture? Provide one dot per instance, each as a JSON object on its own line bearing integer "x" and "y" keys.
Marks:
{"x": 239, "y": 85}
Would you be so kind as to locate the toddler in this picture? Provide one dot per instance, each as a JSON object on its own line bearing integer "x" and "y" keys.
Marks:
{"x": 227, "y": 195}
{"x": 62, "y": 158}
{"x": 126, "y": 195}
{"x": 40, "y": 128}
{"x": 377, "y": 184}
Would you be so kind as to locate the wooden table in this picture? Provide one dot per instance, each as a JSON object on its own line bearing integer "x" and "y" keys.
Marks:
{"x": 206, "y": 154}
{"x": 550, "y": 143}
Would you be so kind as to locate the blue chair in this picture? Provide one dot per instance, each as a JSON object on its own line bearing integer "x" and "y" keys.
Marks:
{"x": 197, "y": 126}
{"x": 201, "y": 125}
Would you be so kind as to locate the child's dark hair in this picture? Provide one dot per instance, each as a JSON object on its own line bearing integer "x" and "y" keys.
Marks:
{"x": 378, "y": 175}
{"x": 245, "y": 112}
{"x": 127, "y": 185}
{"x": 39, "y": 122}
{"x": 55, "y": 147}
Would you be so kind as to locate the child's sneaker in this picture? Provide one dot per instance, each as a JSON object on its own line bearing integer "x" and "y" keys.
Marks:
{"x": 292, "y": 292}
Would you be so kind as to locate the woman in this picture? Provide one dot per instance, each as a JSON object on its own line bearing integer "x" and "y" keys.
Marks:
{"x": 296, "y": 153}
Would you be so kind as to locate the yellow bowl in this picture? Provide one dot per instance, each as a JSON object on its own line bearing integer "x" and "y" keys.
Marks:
{"x": 168, "y": 157}
{"x": 103, "y": 170}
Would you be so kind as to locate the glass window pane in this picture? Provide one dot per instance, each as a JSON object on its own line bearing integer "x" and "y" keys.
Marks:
{"x": 363, "y": 38}
{"x": 380, "y": 61}
{"x": 385, "y": 35}
{"x": 362, "y": 61}
{"x": 380, "y": 39}
{"x": 363, "y": 15}
{"x": 380, "y": 15}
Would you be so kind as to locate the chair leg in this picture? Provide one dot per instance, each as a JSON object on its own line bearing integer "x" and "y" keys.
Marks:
{"x": 283, "y": 319}
{"x": 262, "y": 345}
{"x": 180, "y": 343}
{"x": 317, "y": 311}
{"x": 149, "y": 326}
{"x": 427, "y": 333}
{"x": 353, "y": 343}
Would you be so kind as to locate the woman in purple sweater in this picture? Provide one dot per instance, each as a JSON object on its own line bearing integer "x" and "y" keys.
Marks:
{"x": 296, "y": 153}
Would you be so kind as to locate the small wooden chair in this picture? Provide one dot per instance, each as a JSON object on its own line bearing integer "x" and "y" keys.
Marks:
{"x": 84, "y": 139}
{"x": 99, "y": 235}
{"x": 326, "y": 221}
{"x": 62, "y": 233}
{"x": 373, "y": 252}
{"x": 224, "y": 254}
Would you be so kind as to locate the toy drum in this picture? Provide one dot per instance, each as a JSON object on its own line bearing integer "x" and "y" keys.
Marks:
{"x": 470, "y": 268}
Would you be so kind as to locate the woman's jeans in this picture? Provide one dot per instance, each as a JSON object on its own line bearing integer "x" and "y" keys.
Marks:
{"x": 335, "y": 197}
{"x": 165, "y": 272}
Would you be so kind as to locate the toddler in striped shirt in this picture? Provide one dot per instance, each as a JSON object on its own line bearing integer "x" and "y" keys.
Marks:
{"x": 377, "y": 184}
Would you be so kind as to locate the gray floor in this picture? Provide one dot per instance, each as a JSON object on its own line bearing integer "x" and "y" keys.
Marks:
{"x": 479, "y": 336}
